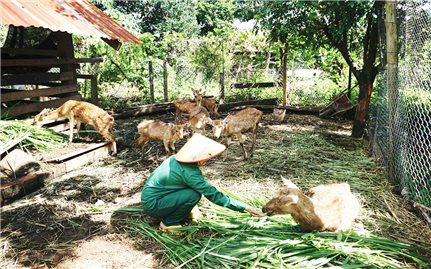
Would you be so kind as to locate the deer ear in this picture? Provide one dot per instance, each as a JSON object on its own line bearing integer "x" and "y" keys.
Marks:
{"x": 289, "y": 183}
{"x": 45, "y": 110}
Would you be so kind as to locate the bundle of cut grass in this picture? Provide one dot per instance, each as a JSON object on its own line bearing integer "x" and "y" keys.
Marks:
{"x": 228, "y": 239}
{"x": 14, "y": 132}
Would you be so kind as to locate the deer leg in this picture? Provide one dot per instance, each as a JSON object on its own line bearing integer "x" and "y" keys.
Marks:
{"x": 71, "y": 126}
{"x": 173, "y": 147}
{"x": 78, "y": 127}
{"x": 241, "y": 142}
{"x": 254, "y": 141}
{"x": 142, "y": 149}
{"x": 166, "y": 144}
{"x": 227, "y": 146}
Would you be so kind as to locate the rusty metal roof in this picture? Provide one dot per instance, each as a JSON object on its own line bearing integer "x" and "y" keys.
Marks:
{"x": 72, "y": 16}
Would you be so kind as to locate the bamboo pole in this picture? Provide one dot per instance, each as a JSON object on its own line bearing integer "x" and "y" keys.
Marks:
{"x": 392, "y": 62}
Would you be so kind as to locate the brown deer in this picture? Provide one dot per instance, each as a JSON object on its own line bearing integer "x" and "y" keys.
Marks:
{"x": 209, "y": 103}
{"x": 156, "y": 130}
{"x": 197, "y": 122}
{"x": 235, "y": 125}
{"x": 329, "y": 207}
{"x": 77, "y": 112}
{"x": 184, "y": 106}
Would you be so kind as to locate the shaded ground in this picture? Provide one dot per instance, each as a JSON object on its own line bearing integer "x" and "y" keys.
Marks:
{"x": 70, "y": 224}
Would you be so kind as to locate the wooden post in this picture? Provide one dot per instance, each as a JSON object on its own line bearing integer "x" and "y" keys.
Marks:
{"x": 222, "y": 91}
{"x": 283, "y": 55}
{"x": 151, "y": 78}
{"x": 65, "y": 50}
{"x": 94, "y": 93}
{"x": 165, "y": 80}
{"x": 392, "y": 62}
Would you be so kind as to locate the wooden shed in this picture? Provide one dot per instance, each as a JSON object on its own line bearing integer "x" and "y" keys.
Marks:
{"x": 38, "y": 66}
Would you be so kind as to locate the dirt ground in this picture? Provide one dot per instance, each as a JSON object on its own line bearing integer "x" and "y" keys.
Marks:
{"x": 70, "y": 223}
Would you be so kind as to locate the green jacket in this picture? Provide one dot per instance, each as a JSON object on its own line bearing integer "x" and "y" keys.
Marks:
{"x": 172, "y": 176}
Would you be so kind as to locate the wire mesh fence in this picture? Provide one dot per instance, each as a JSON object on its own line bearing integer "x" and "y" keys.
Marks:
{"x": 410, "y": 105}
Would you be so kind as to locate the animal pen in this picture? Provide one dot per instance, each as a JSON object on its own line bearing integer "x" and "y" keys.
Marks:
{"x": 91, "y": 216}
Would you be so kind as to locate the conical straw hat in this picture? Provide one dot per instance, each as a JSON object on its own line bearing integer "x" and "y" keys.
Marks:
{"x": 199, "y": 148}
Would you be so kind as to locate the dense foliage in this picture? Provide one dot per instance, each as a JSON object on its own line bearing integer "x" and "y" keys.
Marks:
{"x": 200, "y": 44}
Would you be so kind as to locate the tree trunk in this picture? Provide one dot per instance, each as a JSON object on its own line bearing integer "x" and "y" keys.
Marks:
{"x": 151, "y": 78}
{"x": 365, "y": 90}
{"x": 283, "y": 54}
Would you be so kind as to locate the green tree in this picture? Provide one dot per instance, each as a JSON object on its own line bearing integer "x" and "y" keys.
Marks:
{"x": 161, "y": 16}
{"x": 332, "y": 23}
{"x": 215, "y": 14}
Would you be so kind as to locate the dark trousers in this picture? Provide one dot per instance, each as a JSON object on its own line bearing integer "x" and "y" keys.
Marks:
{"x": 176, "y": 206}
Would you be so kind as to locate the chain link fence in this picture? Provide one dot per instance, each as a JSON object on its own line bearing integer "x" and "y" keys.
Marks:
{"x": 404, "y": 147}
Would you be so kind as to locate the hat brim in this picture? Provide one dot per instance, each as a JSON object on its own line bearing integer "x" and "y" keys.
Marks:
{"x": 198, "y": 149}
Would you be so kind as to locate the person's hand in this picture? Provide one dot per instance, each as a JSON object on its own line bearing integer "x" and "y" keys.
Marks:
{"x": 254, "y": 212}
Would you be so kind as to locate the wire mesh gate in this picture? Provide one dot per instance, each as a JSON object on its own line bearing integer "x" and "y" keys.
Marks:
{"x": 410, "y": 133}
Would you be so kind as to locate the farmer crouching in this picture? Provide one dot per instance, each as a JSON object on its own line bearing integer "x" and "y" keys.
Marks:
{"x": 173, "y": 190}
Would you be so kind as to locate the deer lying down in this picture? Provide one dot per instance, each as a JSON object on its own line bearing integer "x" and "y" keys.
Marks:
{"x": 329, "y": 207}
{"x": 77, "y": 112}
{"x": 156, "y": 130}
{"x": 235, "y": 125}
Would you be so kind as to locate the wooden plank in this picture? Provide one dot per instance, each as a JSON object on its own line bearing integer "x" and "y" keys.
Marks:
{"x": 33, "y": 78}
{"x": 48, "y": 62}
{"x": 254, "y": 85}
{"x": 22, "y": 109}
{"x": 11, "y": 143}
{"x": 19, "y": 95}
{"x": 77, "y": 153}
{"x": 19, "y": 51}
{"x": 88, "y": 157}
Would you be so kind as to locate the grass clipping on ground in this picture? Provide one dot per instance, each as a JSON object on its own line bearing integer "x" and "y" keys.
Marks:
{"x": 386, "y": 235}
{"x": 227, "y": 239}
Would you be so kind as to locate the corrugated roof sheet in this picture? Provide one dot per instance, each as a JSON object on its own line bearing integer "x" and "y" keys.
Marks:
{"x": 72, "y": 16}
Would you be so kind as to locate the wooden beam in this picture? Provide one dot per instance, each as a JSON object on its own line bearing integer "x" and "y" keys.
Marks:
{"x": 33, "y": 52}
{"x": 34, "y": 78}
{"x": 19, "y": 95}
{"x": 115, "y": 44}
{"x": 254, "y": 85}
{"x": 21, "y": 109}
{"x": 47, "y": 62}
{"x": 77, "y": 153}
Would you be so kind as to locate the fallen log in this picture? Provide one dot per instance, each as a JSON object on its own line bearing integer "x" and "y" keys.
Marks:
{"x": 290, "y": 109}
{"x": 154, "y": 109}
{"x": 145, "y": 110}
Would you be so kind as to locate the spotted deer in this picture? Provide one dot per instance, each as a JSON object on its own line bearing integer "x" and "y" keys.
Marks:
{"x": 78, "y": 112}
